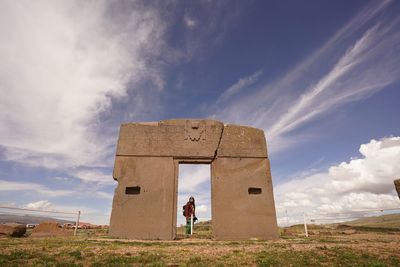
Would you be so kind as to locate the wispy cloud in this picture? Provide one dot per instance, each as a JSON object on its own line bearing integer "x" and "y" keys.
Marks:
{"x": 239, "y": 85}
{"x": 359, "y": 60}
{"x": 94, "y": 176}
{"x": 71, "y": 72}
{"x": 63, "y": 64}
{"x": 43, "y": 190}
{"x": 342, "y": 84}
{"x": 206, "y": 24}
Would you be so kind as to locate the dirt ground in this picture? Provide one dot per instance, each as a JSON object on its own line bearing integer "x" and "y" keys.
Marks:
{"x": 338, "y": 247}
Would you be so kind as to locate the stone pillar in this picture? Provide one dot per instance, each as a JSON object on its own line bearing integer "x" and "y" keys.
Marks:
{"x": 397, "y": 186}
{"x": 241, "y": 187}
{"x": 242, "y": 199}
{"x": 143, "y": 205}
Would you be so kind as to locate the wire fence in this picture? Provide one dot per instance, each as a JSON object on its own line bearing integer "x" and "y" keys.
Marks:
{"x": 323, "y": 218}
{"x": 285, "y": 219}
{"x": 36, "y": 212}
{"x": 292, "y": 218}
{"x": 65, "y": 218}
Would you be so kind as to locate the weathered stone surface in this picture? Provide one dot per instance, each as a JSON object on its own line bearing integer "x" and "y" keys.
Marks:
{"x": 242, "y": 199}
{"x": 240, "y": 141}
{"x": 397, "y": 185}
{"x": 147, "y": 212}
{"x": 49, "y": 229}
{"x": 177, "y": 138}
{"x": 12, "y": 229}
{"x": 147, "y": 166}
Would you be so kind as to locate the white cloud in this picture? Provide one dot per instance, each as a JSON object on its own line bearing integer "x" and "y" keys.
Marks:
{"x": 364, "y": 183}
{"x": 8, "y": 204}
{"x": 59, "y": 178}
{"x": 192, "y": 176}
{"x": 101, "y": 194}
{"x": 201, "y": 208}
{"x": 94, "y": 176}
{"x": 38, "y": 205}
{"x": 381, "y": 160}
{"x": 41, "y": 189}
{"x": 62, "y": 65}
{"x": 9, "y": 186}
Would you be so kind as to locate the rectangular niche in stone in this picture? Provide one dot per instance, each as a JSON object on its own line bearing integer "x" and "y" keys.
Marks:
{"x": 132, "y": 190}
{"x": 254, "y": 190}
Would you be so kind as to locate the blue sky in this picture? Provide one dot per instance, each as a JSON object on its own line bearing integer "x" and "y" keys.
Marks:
{"x": 321, "y": 78}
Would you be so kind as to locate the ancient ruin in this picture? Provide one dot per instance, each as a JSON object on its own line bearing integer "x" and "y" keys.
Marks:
{"x": 50, "y": 229}
{"x": 397, "y": 186}
{"x": 12, "y": 229}
{"x": 146, "y": 168}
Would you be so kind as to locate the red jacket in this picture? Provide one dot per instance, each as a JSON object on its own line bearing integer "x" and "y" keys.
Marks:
{"x": 189, "y": 210}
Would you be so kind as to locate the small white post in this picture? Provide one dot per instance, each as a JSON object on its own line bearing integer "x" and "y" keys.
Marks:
{"x": 191, "y": 224}
{"x": 77, "y": 222}
{"x": 287, "y": 219}
{"x": 305, "y": 224}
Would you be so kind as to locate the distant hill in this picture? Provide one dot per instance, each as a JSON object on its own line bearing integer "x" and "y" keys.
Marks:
{"x": 383, "y": 221}
{"x": 383, "y": 224}
{"x": 29, "y": 219}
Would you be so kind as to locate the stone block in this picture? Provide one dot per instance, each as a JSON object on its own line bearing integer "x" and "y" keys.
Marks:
{"x": 12, "y": 229}
{"x": 50, "y": 229}
{"x": 170, "y": 138}
{"x": 143, "y": 205}
{"x": 242, "y": 199}
{"x": 240, "y": 141}
{"x": 397, "y": 186}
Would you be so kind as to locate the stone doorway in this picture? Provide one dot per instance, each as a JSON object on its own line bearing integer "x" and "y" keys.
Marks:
{"x": 194, "y": 180}
{"x": 147, "y": 166}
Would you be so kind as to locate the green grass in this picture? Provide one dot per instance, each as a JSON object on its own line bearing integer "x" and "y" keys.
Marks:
{"x": 143, "y": 259}
{"x": 327, "y": 249}
{"x": 331, "y": 257}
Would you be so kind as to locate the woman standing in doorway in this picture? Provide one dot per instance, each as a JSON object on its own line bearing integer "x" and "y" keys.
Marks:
{"x": 190, "y": 208}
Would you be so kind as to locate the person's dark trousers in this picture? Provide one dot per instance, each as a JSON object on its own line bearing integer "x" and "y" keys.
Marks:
{"x": 188, "y": 224}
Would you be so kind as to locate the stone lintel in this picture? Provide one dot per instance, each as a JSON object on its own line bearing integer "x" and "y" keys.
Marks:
{"x": 190, "y": 139}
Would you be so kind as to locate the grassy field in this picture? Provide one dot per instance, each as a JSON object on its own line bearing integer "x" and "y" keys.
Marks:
{"x": 326, "y": 246}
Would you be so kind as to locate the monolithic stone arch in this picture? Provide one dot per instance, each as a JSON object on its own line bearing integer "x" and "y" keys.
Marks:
{"x": 146, "y": 168}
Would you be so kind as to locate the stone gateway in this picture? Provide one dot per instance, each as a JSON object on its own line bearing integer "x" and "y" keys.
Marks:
{"x": 146, "y": 169}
